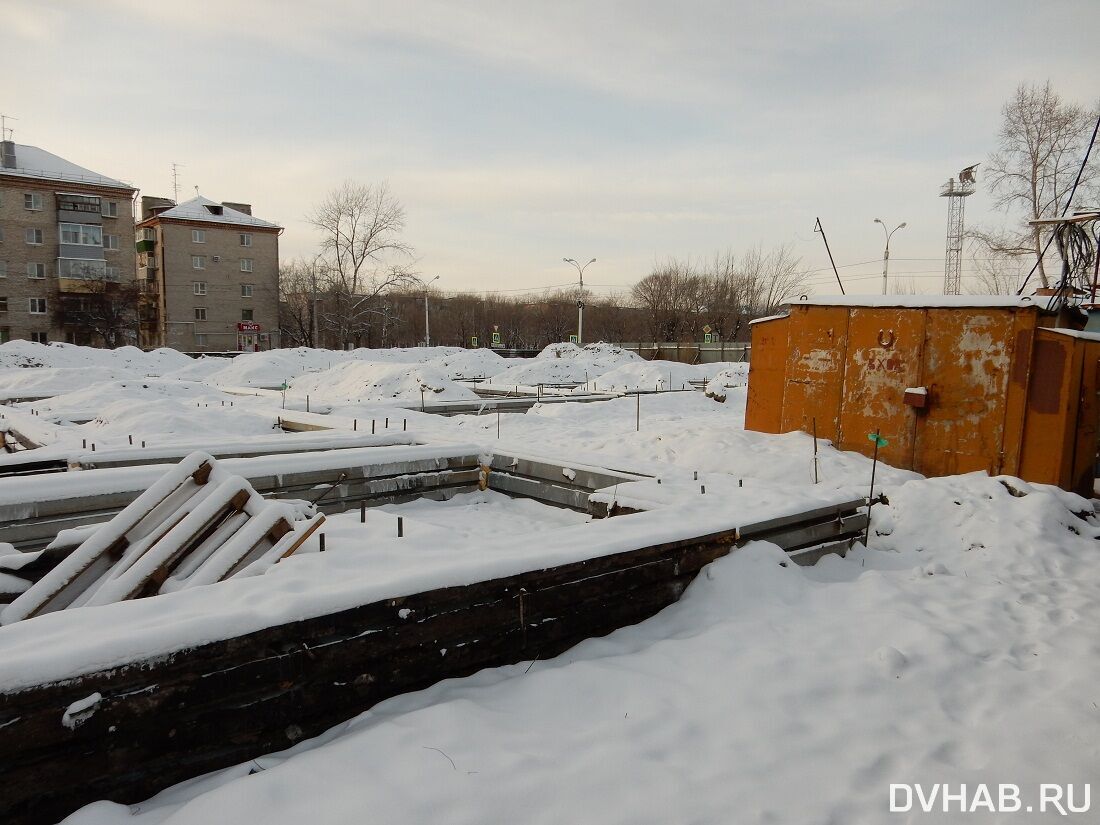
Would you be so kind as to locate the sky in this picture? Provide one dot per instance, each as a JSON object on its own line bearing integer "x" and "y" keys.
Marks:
{"x": 519, "y": 133}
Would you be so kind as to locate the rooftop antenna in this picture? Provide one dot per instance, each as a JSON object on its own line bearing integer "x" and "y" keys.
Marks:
{"x": 5, "y": 132}
{"x": 196, "y": 190}
{"x": 955, "y": 191}
{"x": 176, "y": 181}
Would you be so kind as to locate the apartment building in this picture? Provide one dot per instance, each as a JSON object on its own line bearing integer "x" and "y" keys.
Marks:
{"x": 212, "y": 271}
{"x": 65, "y": 259}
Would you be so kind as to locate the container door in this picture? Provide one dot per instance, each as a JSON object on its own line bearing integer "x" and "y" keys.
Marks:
{"x": 967, "y": 361}
{"x": 815, "y": 369}
{"x": 885, "y": 348}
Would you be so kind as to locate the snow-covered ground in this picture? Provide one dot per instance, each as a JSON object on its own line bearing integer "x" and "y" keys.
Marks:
{"x": 960, "y": 647}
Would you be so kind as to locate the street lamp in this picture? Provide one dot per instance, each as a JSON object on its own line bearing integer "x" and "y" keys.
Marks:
{"x": 580, "y": 298}
{"x": 427, "y": 335}
{"x": 886, "y": 253}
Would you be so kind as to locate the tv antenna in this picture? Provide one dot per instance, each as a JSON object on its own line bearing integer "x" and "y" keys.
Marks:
{"x": 5, "y": 132}
{"x": 176, "y": 181}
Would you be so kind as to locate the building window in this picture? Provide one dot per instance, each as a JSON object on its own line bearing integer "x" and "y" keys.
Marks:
{"x": 246, "y": 239}
{"x": 5, "y": 335}
{"x": 198, "y": 262}
{"x": 114, "y": 274}
{"x": 246, "y": 290}
{"x": 198, "y": 287}
{"x": 200, "y": 313}
{"x": 40, "y": 337}
{"x": 198, "y": 236}
{"x": 81, "y": 234}
{"x": 109, "y": 209}
{"x": 246, "y": 315}
{"x": 3, "y": 269}
{"x": 36, "y": 306}
{"x": 84, "y": 269}
{"x": 200, "y": 340}
{"x": 36, "y": 270}
{"x": 246, "y": 264}
{"x": 110, "y": 241}
{"x": 3, "y": 303}
{"x": 1, "y": 234}
{"x": 34, "y": 237}
{"x": 32, "y": 201}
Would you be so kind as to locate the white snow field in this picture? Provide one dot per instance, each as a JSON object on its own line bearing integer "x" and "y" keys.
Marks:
{"x": 960, "y": 647}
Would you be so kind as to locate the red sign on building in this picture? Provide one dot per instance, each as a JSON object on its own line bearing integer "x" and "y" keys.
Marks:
{"x": 248, "y": 326}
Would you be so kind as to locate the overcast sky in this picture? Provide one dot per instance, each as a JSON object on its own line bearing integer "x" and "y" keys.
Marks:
{"x": 518, "y": 133}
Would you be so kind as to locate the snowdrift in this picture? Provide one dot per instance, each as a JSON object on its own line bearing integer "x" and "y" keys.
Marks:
{"x": 367, "y": 381}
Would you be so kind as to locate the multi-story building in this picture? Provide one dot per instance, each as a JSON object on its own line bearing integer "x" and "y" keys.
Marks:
{"x": 66, "y": 268}
{"x": 212, "y": 269}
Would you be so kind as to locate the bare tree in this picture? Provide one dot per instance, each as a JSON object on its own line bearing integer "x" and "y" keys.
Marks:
{"x": 361, "y": 226}
{"x": 102, "y": 312}
{"x": 297, "y": 303}
{"x": 772, "y": 278}
{"x": 996, "y": 274}
{"x": 1042, "y": 141}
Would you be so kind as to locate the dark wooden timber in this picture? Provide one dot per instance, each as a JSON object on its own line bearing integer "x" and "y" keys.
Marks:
{"x": 166, "y": 719}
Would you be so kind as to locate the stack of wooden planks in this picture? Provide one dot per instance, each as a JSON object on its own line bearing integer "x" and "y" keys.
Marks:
{"x": 199, "y": 524}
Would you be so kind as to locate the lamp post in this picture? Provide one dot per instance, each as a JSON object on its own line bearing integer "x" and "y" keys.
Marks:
{"x": 427, "y": 334}
{"x": 580, "y": 298}
{"x": 886, "y": 253}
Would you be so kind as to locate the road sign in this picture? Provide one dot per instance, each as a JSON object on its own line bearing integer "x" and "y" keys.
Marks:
{"x": 573, "y": 339}
{"x": 496, "y": 339}
{"x": 473, "y": 341}
{"x": 707, "y": 337}
{"x": 706, "y": 328}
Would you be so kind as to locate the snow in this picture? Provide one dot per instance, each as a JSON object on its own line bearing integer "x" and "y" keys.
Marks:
{"x": 563, "y": 364}
{"x": 731, "y": 377}
{"x": 916, "y": 301}
{"x": 32, "y": 162}
{"x": 78, "y": 712}
{"x": 959, "y": 649}
{"x": 917, "y": 390}
{"x": 370, "y": 381}
{"x": 654, "y": 376}
{"x": 195, "y": 210}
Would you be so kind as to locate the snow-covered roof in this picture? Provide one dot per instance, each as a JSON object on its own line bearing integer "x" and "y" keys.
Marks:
{"x": 32, "y": 162}
{"x": 917, "y": 301}
{"x": 767, "y": 318}
{"x": 208, "y": 211}
{"x": 1075, "y": 333}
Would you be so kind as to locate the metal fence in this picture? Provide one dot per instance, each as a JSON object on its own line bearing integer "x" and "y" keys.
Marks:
{"x": 690, "y": 353}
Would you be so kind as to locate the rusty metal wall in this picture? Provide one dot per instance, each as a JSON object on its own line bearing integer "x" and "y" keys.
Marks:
{"x": 818, "y": 339}
{"x": 885, "y": 347}
{"x": 1004, "y": 394}
{"x": 767, "y": 376}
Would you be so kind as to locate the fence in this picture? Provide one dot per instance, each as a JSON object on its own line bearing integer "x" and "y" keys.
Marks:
{"x": 690, "y": 352}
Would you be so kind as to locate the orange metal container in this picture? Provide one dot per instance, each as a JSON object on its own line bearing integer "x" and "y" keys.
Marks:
{"x": 960, "y": 385}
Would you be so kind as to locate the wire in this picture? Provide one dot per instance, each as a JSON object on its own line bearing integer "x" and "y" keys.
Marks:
{"x": 1065, "y": 209}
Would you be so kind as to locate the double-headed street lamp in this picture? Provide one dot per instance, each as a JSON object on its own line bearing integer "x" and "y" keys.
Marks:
{"x": 580, "y": 298}
{"x": 427, "y": 334}
{"x": 886, "y": 254}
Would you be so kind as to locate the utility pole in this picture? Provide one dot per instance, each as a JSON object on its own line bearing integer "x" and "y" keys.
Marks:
{"x": 580, "y": 297}
{"x": 886, "y": 253}
{"x": 427, "y": 334}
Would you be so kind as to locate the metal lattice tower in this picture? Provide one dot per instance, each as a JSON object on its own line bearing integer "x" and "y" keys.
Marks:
{"x": 955, "y": 191}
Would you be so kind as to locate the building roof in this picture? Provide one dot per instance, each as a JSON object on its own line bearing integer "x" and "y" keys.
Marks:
{"x": 920, "y": 301}
{"x": 205, "y": 210}
{"x": 32, "y": 162}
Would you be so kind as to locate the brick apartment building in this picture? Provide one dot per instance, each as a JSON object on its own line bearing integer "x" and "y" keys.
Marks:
{"x": 64, "y": 242}
{"x": 210, "y": 274}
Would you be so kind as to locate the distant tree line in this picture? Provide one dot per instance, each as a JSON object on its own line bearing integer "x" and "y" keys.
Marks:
{"x": 361, "y": 290}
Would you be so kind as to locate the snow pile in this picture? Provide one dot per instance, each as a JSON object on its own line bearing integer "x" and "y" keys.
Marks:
{"x": 159, "y": 411}
{"x": 29, "y": 370}
{"x": 469, "y": 363}
{"x": 565, "y": 364}
{"x": 26, "y": 354}
{"x": 960, "y": 649}
{"x": 731, "y": 377}
{"x": 657, "y": 376}
{"x": 371, "y": 381}
{"x": 260, "y": 369}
